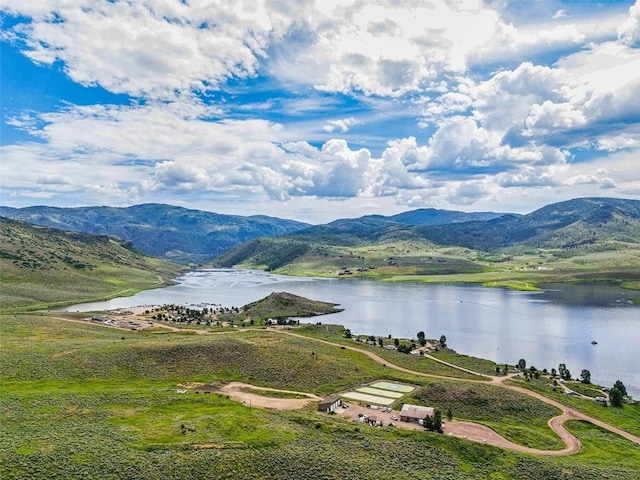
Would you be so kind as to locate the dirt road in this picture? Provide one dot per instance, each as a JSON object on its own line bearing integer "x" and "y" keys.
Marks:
{"x": 239, "y": 391}
{"x": 467, "y": 430}
{"x": 556, "y": 423}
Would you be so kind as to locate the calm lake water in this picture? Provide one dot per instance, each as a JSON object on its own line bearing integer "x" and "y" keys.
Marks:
{"x": 545, "y": 328}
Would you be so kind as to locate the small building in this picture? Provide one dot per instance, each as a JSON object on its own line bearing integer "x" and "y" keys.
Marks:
{"x": 374, "y": 421}
{"x": 329, "y": 404}
{"x": 415, "y": 413}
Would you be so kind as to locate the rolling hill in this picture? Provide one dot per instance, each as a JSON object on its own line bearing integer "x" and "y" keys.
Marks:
{"x": 42, "y": 267}
{"x": 594, "y": 233}
{"x": 174, "y": 233}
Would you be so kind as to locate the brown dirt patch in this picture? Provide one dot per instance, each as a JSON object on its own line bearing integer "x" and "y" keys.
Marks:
{"x": 238, "y": 391}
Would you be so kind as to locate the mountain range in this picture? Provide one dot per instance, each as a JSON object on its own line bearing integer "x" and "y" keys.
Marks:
{"x": 178, "y": 234}
{"x": 567, "y": 229}
{"x": 193, "y": 236}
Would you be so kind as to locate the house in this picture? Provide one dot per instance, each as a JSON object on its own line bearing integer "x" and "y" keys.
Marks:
{"x": 415, "y": 413}
{"x": 329, "y": 404}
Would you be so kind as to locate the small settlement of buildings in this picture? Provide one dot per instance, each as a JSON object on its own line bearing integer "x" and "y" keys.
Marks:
{"x": 415, "y": 413}
{"x": 329, "y": 404}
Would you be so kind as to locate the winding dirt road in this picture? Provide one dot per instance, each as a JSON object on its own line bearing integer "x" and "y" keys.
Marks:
{"x": 484, "y": 434}
{"x": 467, "y": 430}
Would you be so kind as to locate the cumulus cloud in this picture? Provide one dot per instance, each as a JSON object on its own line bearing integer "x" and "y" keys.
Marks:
{"x": 511, "y": 125}
{"x": 341, "y": 126}
{"x": 146, "y": 47}
{"x": 380, "y": 48}
{"x": 629, "y": 31}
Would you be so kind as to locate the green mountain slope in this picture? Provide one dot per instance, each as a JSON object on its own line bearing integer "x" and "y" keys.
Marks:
{"x": 433, "y": 216}
{"x": 569, "y": 224}
{"x": 567, "y": 241}
{"x": 43, "y": 267}
{"x": 174, "y": 233}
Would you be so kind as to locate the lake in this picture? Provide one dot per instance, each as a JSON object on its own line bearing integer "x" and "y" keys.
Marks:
{"x": 546, "y": 328}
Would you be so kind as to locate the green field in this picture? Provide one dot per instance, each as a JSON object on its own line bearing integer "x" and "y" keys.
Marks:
{"x": 82, "y": 401}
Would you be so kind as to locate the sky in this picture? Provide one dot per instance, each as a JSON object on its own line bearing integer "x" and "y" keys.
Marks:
{"x": 317, "y": 110}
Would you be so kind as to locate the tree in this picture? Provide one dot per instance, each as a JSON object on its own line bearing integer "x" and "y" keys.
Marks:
{"x": 380, "y": 342}
{"x": 620, "y": 386}
{"x": 443, "y": 340}
{"x": 561, "y": 368}
{"x": 449, "y": 414}
{"x": 585, "y": 376}
{"x": 422, "y": 341}
{"x": 421, "y": 335}
{"x": 522, "y": 364}
{"x": 564, "y": 372}
{"x": 437, "y": 421}
{"x": 396, "y": 342}
{"x": 427, "y": 423}
{"x": 615, "y": 396}
{"x": 347, "y": 333}
{"x": 553, "y": 372}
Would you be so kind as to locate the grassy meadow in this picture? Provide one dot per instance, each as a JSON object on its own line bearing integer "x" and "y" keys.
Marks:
{"x": 85, "y": 401}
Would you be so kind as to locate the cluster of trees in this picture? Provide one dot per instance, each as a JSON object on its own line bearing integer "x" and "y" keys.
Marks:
{"x": 617, "y": 394}
{"x": 585, "y": 376}
{"x": 181, "y": 314}
{"x": 433, "y": 424}
{"x": 564, "y": 373}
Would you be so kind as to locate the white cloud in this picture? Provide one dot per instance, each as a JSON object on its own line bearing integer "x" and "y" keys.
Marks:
{"x": 341, "y": 126}
{"x": 147, "y": 47}
{"x": 559, "y": 14}
{"x": 483, "y": 135}
{"x": 629, "y": 31}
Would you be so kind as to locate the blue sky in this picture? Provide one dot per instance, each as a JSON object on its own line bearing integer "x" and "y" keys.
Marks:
{"x": 319, "y": 110}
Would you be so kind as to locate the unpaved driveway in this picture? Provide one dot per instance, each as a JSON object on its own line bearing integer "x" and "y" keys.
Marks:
{"x": 238, "y": 391}
{"x": 466, "y": 430}
{"x": 556, "y": 423}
